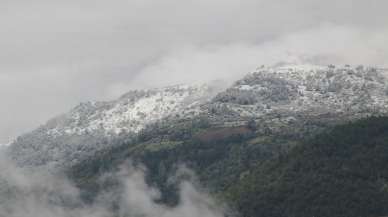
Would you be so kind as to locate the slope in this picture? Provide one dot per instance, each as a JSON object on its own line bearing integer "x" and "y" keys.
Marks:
{"x": 339, "y": 173}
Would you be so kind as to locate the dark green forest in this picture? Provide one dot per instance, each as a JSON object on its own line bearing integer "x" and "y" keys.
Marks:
{"x": 339, "y": 171}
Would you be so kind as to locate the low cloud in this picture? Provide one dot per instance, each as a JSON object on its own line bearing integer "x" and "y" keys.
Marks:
{"x": 55, "y": 54}
{"x": 26, "y": 192}
{"x": 323, "y": 45}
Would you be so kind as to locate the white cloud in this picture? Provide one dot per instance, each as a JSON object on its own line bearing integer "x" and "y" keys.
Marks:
{"x": 324, "y": 45}
{"x": 34, "y": 192}
{"x": 55, "y": 54}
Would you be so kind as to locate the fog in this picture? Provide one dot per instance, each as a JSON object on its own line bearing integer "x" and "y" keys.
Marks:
{"x": 55, "y": 54}
{"x": 26, "y": 192}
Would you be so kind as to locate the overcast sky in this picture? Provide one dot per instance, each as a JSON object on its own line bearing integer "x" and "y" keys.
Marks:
{"x": 55, "y": 54}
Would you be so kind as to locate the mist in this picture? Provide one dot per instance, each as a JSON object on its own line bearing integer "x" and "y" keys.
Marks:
{"x": 56, "y": 54}
{"x": 27, "y": 192}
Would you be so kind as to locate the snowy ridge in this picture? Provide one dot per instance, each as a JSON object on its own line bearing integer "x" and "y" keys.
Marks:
{"x": 316, "y": 89}
{"x": 272, "y": 95}
{"x": 283, "y": 87}
{"x": 134, "y": 110}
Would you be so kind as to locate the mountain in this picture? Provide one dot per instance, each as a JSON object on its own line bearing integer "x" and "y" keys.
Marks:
{"x": 279, "y": 98}
{"x": 132, "y": 111}
{"x": 340, "y": 171}
{"x": 288, "y": 140}
{"x": 314, "y": 89}
{"x": 92, "y": 126}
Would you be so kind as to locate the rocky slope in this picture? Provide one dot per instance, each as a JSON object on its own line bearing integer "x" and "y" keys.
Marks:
{"x": 273, "y": 97}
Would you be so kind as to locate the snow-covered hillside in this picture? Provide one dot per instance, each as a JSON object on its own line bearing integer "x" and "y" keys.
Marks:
{"x": 133, "y": 111}
{"x": 297, "y": 88}
{"x": 269, "y": 95}
{"x": 93, "y": 126}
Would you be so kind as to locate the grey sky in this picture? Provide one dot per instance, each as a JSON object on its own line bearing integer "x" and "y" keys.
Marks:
{"x": 55, "y": 54}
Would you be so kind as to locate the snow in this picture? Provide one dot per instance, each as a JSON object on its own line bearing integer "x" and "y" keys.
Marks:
{"x": 284, "y": 92}
{"x": 246, "y": 87}
{"x": 132, "y": 115}
{"x": 308, "y": 88}
{"x": 2, "y": 145}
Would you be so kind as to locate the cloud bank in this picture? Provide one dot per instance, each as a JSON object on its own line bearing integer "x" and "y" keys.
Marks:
{"x": 55, "y": 54}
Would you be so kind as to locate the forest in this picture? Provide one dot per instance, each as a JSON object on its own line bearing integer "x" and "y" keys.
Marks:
{"x": 338, "y": 172}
